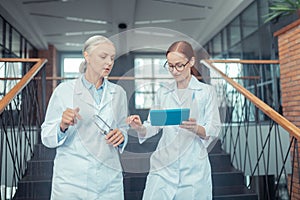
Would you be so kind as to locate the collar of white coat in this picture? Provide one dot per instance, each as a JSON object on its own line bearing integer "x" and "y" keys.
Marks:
{"x": 193, "y": 85}
{"x": 89, "y": 85}
{"x": 108, "y": 92}
{"x": 80, "y": 86}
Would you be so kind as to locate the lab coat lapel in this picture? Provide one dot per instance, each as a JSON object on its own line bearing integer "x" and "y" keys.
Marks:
{"x": 82, "y": 93}
{"x": 172, "y": 90}
{"x": 105, "y": 109}
{"x": 107, "y": 96}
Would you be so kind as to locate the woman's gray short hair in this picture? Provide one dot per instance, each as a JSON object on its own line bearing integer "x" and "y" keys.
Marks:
{"x": 89, "y": 45}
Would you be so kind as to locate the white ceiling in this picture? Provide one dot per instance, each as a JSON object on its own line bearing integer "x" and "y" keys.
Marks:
{"x": 68, "y": 23}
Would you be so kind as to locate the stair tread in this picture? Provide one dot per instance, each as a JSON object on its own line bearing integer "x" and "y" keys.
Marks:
{"x": 36, "y": 179}
{"x": 219, "y": 153}
{"x": 227, "y": 170}
{"x": 232, "y": 191}
{"x": 221, "y": 171}
{"x": 31, "y": 198}
{"x": 43, "y": 160}
{"x": 130, "y": 174}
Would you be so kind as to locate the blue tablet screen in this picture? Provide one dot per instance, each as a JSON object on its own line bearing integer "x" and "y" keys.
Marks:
{"x": 169, "y": 116}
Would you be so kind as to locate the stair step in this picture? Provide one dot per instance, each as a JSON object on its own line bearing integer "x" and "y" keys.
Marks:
{"x": 41, "y": 152}
{"x": 34, "y": 187}
{"x": 220, "y": 161}
{"x": 31, "y": 198}
{"x": 29, "y": 179}
{"x": 138, "y": 195}
{"x": 132, "y": 162}
{"x": 227, "y": 178}
{"x": 134, "y": 182}
{"x": 135, "y": 162}
{"x": 39, "y": 168}
{"x": 148, "y": 146}
{"x": 215, "y": 147}
{"x": 234, "y": 193}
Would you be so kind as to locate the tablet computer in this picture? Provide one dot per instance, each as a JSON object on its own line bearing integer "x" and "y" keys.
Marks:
{"x": 169, "y": 116}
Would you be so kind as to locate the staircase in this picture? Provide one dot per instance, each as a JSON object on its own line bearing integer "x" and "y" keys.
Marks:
{"x": 227, "y": 181}
{"x": 36, "y": 184}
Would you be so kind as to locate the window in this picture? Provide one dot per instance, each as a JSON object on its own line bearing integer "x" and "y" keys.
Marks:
{"x": 10, "y": 70}
{"x": 217, "y": 45}
{"x": 249, "y": 20}
{"x": 70, "y": 66}
{"x": 16, "y": 43}
{"x": 1, "y": 32}
{"x": 224, "y": 40}
{"x": 7, "y": 36}
{"x": 235, "y": 33}
{"x": 149, "y": 76}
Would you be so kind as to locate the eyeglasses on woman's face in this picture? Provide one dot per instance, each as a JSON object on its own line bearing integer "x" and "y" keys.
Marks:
{"x": 178, "y": 67}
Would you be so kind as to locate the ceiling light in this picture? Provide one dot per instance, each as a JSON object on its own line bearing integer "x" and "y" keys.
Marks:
{"x": 153, "y": 33}
{"x": 73, "y": 33}
{"x": 94, "y": 32}
{"x": 161, "y": 21}
{"x": 85, "y": 33}
{"x": 154, "y": 21}
{"x": 86, "y": 20}
{"x": 73, "y": 44}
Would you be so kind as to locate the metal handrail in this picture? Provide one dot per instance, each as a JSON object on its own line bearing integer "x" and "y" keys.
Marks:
{"x": 20, "y": 119}
{"x": 23, "y": 82}
{"x": 282, "y": 121}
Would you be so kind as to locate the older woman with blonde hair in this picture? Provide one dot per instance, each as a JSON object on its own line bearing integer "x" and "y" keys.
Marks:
{"x": 85, "y": 122}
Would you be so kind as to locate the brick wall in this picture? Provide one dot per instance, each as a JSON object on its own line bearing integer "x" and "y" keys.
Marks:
{"x": 51, "y": 69}
{"x": 289, "y": 59}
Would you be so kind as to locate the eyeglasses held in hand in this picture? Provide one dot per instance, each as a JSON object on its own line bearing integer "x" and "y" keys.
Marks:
{"x": 100, "y": 123}
{"x": 178, "y": 67}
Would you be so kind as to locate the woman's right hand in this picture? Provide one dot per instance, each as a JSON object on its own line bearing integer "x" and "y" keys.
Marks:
{"x": 134, "y": 121}
{"x": 69, "y": 118}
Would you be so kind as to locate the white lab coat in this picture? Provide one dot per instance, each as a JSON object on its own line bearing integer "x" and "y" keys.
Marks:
{"x": 85, "y": 167}
{"x": 180, "y": 168}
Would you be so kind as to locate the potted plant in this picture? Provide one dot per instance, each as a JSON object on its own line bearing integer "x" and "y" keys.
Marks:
{"x": 280, "y": 8}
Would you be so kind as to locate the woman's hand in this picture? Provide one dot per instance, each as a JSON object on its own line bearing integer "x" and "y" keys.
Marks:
{"x": 192, "y": 126}
{"x": 114, "y": 137}
{"x": 134, "y": 121}
{"x": 69, "y": 118}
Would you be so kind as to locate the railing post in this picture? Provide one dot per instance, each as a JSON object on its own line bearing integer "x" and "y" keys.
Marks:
{"x": 275, "y": 90}
{"x": 44, "y": 85}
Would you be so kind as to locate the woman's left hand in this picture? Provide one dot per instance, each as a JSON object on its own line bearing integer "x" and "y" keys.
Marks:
{"x": 190, "y": 125}
{"x": 114, "y": 137}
